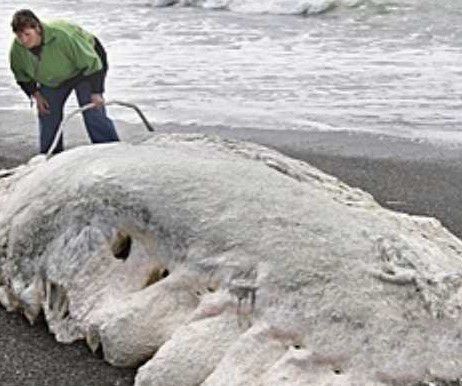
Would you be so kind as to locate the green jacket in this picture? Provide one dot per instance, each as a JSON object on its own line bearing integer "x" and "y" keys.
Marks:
{"x": 67, "y": 51}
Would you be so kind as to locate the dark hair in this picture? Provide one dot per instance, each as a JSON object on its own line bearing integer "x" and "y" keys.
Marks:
{"x": 25, "y": 18}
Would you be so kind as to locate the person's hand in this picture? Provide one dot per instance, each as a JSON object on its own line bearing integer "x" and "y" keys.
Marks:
{"x": 43, "y": 106}
{"x": 97, "y": 100}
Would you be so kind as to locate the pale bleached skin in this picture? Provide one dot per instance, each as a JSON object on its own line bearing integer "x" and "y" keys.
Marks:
{"x": 154, "y": 252}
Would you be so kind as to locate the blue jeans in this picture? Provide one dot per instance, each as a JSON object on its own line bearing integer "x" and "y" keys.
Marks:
{"x": 99, "y": 127}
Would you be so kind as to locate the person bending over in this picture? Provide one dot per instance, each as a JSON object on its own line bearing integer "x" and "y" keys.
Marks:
{"x": 48, "y": 61}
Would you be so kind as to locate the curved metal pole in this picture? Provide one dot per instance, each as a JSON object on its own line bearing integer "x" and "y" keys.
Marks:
{"x": 134, "y": 107}
{"x": 91, "y": 106}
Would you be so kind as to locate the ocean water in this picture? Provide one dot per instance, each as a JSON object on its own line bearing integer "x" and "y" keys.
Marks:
{"x": 380, "y": 66}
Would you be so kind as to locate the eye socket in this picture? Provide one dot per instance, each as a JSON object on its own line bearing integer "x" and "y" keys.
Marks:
{"x": 122, "y": 246}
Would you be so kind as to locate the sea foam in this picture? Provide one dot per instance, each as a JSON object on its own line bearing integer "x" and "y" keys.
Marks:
{"x": 284, "y": 7}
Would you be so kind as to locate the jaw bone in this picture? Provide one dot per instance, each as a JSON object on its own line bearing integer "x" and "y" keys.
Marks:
{"x": 228, "y": 263}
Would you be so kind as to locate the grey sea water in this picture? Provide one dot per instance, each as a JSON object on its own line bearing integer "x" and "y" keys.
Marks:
{"x": 389, "y": 67}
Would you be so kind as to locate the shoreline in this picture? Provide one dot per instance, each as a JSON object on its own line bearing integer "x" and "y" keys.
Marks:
{"x": 407, "y": 176}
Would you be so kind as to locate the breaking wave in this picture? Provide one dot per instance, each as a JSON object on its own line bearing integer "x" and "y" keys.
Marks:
{"x": 276, "y": 7}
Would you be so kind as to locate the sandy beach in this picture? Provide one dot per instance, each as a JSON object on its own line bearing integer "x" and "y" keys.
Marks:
{"x": 409, "y": 176}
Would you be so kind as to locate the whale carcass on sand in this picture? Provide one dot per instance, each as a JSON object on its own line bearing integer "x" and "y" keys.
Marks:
{"x": 214, "y": 262}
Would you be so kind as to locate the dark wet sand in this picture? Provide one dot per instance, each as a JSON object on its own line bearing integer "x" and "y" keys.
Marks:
{"x": 413, "y": 177}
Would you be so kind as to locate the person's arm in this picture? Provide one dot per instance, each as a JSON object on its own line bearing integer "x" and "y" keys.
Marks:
{"x": 29, "y": 88}
{"x": 27, "y": 84}
{"x": 85, "y": 57}
{"x": 96, "y": 81}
